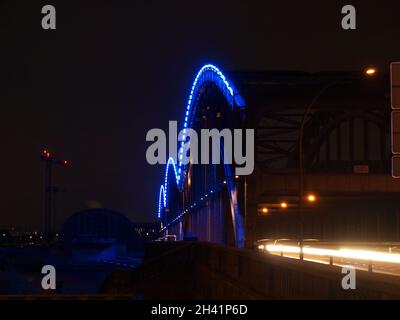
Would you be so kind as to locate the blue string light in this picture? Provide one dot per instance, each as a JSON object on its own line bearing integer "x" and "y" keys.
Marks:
{"x": 161, "y": 201}
{"x": 208, "y": 73}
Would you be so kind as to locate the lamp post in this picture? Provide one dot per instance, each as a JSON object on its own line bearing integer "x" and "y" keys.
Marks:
{"x": 369, "y": 72}
{"x": 301, "y": 155}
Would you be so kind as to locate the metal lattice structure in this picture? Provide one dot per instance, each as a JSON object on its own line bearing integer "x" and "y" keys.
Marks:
{"x": 346, "y": 136}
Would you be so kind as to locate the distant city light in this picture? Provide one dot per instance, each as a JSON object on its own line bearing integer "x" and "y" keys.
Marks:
{"x": 284, "y": 205}
{"x": 46, "y": 153}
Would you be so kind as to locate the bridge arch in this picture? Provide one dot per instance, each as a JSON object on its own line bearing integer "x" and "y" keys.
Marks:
{"x": 208, "y": 75}
{"x": 359, "y": 124}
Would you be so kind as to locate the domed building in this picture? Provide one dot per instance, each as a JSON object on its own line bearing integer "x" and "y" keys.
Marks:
{"x": 98, "y": 233}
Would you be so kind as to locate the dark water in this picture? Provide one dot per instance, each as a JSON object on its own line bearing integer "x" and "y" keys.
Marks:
{"x": 20, "y": 271}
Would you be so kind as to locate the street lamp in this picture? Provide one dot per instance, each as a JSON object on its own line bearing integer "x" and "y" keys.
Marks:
{"x": 370, "y": 72}
{"x": 301, "y": 155}
{"x": 264, "y": 210}
{"x": 311, "y": 198}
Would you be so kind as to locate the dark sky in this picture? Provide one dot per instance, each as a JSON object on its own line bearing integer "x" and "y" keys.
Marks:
{"x": 91, "y": 89}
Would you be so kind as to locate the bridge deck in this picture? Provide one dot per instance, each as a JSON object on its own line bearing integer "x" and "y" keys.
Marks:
{"x": 205, "y": 270}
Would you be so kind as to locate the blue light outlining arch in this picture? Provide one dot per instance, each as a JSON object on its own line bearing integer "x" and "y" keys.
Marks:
{"x": 208, "y": 73}
{"x": 161, "y": 201}
{"x": 163, "y": 195}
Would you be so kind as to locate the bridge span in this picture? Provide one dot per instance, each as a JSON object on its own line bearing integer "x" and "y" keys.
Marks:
{"x": 321, "y": 196}
{"x": 341, "y": 190}
{"x": 203, "y": 270}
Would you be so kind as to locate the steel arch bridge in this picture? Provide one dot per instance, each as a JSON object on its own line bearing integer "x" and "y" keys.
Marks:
{"x": 211, "y": 92}
{"x": 347, "y": 127}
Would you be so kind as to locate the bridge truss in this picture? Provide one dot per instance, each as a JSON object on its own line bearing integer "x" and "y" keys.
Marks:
{"x": 345, "y": 131}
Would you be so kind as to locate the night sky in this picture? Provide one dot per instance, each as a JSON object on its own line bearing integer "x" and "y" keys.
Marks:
{"x": 112, "y": 70}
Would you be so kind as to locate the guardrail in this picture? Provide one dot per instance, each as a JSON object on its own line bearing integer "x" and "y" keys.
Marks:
{"x": 366, "y": 253}
{"x": 201, "y": 270}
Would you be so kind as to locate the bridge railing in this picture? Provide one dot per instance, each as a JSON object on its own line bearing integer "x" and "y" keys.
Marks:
{"x": 211, "y": 271}
{"x": 271, "y": 276}
{"x": 381, "y": 257}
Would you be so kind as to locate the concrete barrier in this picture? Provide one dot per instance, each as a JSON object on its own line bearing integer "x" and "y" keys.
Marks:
{"x": 210, "y": 271}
